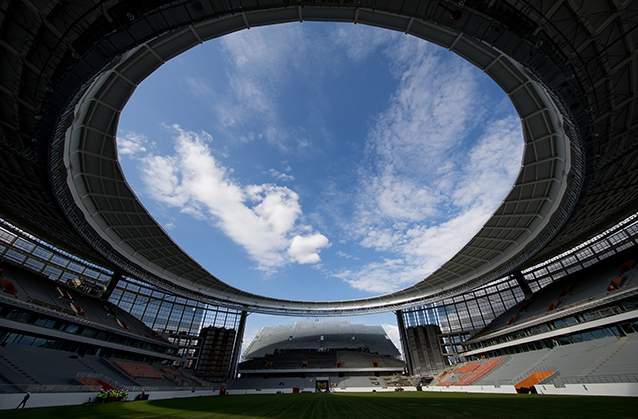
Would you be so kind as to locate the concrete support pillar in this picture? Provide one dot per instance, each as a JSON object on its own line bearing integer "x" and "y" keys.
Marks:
{"x": 239, "y": 338}
{"x": 117, "y": 276}
{"x": 520, "y": 279}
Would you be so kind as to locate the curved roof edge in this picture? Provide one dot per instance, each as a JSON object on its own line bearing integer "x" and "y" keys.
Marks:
{"x": 105, "y": 210}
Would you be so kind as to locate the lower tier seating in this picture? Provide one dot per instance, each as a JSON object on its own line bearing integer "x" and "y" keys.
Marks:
{"x": 23, "y": 367}
{"x": 608, "y": 359}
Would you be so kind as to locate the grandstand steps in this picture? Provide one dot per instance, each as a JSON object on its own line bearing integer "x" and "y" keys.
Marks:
{"x": 116, "y": 367}
{"x": 606, "y": 357}
{"x": 571, "y": 360}
{"x": 536, "y": 366}
{"x": 19, "y": 372}
{"x": 622, "y": 362}
{"x": 532, "y": 379}
{"x": 87, "y": 365}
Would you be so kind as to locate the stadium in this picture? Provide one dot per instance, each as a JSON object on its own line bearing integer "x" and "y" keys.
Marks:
{"x": 103, "y": 314}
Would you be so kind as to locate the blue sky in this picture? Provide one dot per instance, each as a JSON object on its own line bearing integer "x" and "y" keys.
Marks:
{"x": 320, "y": 161}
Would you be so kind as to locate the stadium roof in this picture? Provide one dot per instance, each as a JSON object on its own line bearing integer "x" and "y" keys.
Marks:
{"x": 69, "y": 68}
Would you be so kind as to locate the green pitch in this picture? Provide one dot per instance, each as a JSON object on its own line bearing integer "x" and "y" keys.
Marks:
{"x": 401, "y": 405}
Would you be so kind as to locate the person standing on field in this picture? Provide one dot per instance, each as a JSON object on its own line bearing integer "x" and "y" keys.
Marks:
{"x": 23, "y": 403}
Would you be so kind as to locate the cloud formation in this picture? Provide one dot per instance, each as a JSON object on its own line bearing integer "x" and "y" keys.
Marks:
{"x": 131, "y": 144}
{"x": 282, "y": 176}
{"x": 305, "y": 249}
{"x": 424, "y": 191}
{"x": 263, "y": 218}
{"x": 259, "y": 62}
{"x": 437, "y": 162}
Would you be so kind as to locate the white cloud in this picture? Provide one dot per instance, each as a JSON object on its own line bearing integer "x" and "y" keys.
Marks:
{"x": 305, "y": 249}
{"x": 361, "y": 40}
{"x": 198, "y": 86}
{"x": 161, "y": 178}
{"x": 346, "y": 255}
{"x": 493, "y": 164}
{"x": 380, "y": 277}
{"x": 259, "y": 61}
{"x": 424, "y": 193}
{"x": 263, "y": 219}
{"x": 402, "y": 199}
{"x": 132, "y": 144}
{"x": 282, "y": 176}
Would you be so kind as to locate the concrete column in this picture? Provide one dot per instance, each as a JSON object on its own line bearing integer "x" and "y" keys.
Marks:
{"x": 117, "y": 276}
{"x": 239, "y": 338}
{"x": 520, "y": 279}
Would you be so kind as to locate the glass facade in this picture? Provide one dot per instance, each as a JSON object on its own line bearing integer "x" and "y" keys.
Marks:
{"x": 36, "y": 255}
{"x": 177, "y": 318}
{"x": 602, "y": 312}
{"x": 463, "y": 315}
{"x": 180, "y": 319}
{"x": 67, "y": 326}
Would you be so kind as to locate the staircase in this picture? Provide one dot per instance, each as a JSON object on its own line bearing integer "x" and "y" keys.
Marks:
{"x": 86, "y": 365}
{"x": 536, "y": 366}
{"x": 20, "y": 376}
{"x": 600, "y": 362}
{"x": 532, "y": 379}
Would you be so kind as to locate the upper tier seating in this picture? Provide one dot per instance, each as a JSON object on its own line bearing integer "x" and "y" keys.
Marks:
{"x": 604, "y": 279}
{"x": 326, "y": 336}
{"x": 29, "y": 287}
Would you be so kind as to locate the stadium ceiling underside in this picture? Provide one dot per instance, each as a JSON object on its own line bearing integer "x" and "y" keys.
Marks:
{"x": 68, "y": 69}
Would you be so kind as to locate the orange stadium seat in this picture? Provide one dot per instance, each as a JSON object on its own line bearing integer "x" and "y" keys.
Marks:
{"x": 8, "y": 287}
{"x": 615, "y": 283}
{"x": 138, "y": 369}
{"x": 532, "y": 379}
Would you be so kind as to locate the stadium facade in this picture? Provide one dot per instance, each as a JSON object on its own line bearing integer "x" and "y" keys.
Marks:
{"x": 88, "y": 272}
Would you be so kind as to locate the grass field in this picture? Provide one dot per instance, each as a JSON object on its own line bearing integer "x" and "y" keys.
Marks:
{"x": 351, "y": 406}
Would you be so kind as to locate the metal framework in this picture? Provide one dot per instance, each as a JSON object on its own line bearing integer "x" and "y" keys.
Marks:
{"x": 569, "y": 68}
{"x": 463, "y": 315}
{"x": 178, "y": 319}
